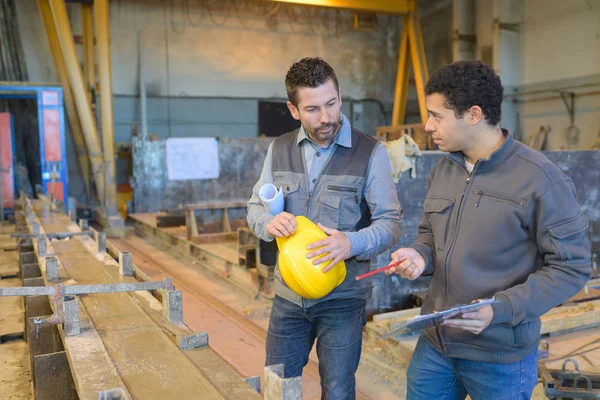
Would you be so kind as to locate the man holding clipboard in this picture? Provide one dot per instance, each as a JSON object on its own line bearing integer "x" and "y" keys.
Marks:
{"x": 500, "y": 221}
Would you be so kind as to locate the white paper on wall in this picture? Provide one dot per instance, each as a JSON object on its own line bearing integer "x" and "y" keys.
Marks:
{"x": 192, "y": 158}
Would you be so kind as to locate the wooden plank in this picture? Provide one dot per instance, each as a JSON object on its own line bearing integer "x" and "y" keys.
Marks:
{"x": 208, "y": 238}
{"x": 586, "y": 294}
{"x": 244, "y": 279}
{"x": 87, "y": 349}
{"x": 557, "y": 319}
{"x": 396, "y": 351}
{"x": 216, "y": 205}
{"x": 214, "y": 368}
{"x": 561, "y": 347}
{"x": 15, "y": 365}
{"x": 170, "y": 221}
{"x": 178, "y": 231}
{"x": 150, "y": 365}
{"x": 146, "y": 218}
{"x": 416, "y": 131}
{"x": 400, "y": 315}
{"x": 570, "y": 317}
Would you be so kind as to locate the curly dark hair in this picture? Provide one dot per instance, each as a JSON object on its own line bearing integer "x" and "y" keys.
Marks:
{"x": 308, "y": 72}
{"x": 465, "y": 84}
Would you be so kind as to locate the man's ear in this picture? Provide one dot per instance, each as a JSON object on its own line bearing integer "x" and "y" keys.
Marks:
{"x": 294, "y": 111}
{"x": 475, "y": 115}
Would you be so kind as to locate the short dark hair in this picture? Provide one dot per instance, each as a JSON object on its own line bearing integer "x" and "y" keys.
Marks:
{"x": 308, "y": 72}
{"x": 465, "y": 84}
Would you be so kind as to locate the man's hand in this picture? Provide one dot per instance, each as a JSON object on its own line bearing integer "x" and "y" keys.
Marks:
{"x": 283, "y": 225}
{"x": 337, "y": 245}
{"x": 474, "y": 321}
{"x": 413, "y": 265}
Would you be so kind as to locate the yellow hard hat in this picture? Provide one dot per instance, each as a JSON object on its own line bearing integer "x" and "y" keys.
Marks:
{"x": 298, "y": 272}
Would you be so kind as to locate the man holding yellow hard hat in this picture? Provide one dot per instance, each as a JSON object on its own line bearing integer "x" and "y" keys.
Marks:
{"x": 341, "y": 179}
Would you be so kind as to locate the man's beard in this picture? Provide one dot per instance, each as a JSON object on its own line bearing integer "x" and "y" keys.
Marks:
{"x": 325, "y": 136}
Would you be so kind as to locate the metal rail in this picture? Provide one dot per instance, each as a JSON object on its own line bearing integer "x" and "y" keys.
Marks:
{"x": 56, "y": 235}
{"x": 72, "y": 290}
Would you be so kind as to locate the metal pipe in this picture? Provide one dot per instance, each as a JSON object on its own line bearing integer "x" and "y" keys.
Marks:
{"x": 89, "y": 64}
{"x": 61, "y": 73}
{"x": 557, "y": 90}
{"x": 56, "y": 235}
{"x": 106, "y": 103}
{"x": 88, "y": 122}
{"x": 74, "y": 290}
{"x": 595, "y": 93}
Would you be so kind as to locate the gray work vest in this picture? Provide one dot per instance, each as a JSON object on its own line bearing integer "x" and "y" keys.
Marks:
{"x": 337, "y": 202}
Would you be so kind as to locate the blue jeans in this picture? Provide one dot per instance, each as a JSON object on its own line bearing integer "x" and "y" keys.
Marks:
{"x": 433, "y": 375}
{"x": 337, "y": 327}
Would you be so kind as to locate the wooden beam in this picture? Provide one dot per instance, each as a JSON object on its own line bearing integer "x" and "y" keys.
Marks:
{"x": 208, "y": 238}
{"x": 217, "y": 205}
{"x": 570, "y": 317}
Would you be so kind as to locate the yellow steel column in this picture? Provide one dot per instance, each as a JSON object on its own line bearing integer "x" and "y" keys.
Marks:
{"x": 61, "y": 73}
{"x": 88, "y": 122}
{"x": 417, "y": 67}
{"x": 422, "y": 48}
{"x": 106, "y": 104}
{"x": 401, "y": 91}
{"x": 87, "y": 29}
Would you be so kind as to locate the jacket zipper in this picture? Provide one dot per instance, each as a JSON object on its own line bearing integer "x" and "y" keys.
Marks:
{"x": 456, "y": 229}
{"x": 480, "y": 192}
{"x": 345, "y": 189}
{"x": 464, "y": 193}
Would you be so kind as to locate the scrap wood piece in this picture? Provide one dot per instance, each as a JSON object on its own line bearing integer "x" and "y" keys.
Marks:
{"x": 396, "y": 351}
{"x": 569, "y": 317}
{"x": 396, "y": 316}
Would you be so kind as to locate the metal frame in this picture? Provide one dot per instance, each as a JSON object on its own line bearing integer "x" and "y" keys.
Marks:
{"x": 377, "y": 6}
{"x": 411, "y": 46}
{"x": 566, "y": 383}
{"x": 72, "y": 290}
{"x": 411, "y": 49}
{"x": 48, "y": 97}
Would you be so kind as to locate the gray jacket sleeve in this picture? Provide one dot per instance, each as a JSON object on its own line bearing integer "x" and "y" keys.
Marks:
{"x": 561, "y": 232}
{"x": 424, "y": 243}
{"x": 258, "y": 217}
{"x": 386, "y": 214}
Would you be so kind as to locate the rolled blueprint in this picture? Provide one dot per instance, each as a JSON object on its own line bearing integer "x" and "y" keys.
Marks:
{"x": 271, "y": 198}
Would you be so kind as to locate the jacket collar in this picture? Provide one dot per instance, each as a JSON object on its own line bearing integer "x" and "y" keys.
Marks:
{"x": 506, "y": 150}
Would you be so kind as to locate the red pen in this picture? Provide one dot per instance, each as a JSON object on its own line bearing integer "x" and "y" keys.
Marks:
{"x": 376, "y": 271}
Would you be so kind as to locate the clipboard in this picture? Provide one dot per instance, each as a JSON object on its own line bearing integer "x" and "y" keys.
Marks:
{"x": 435, "y": 318}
